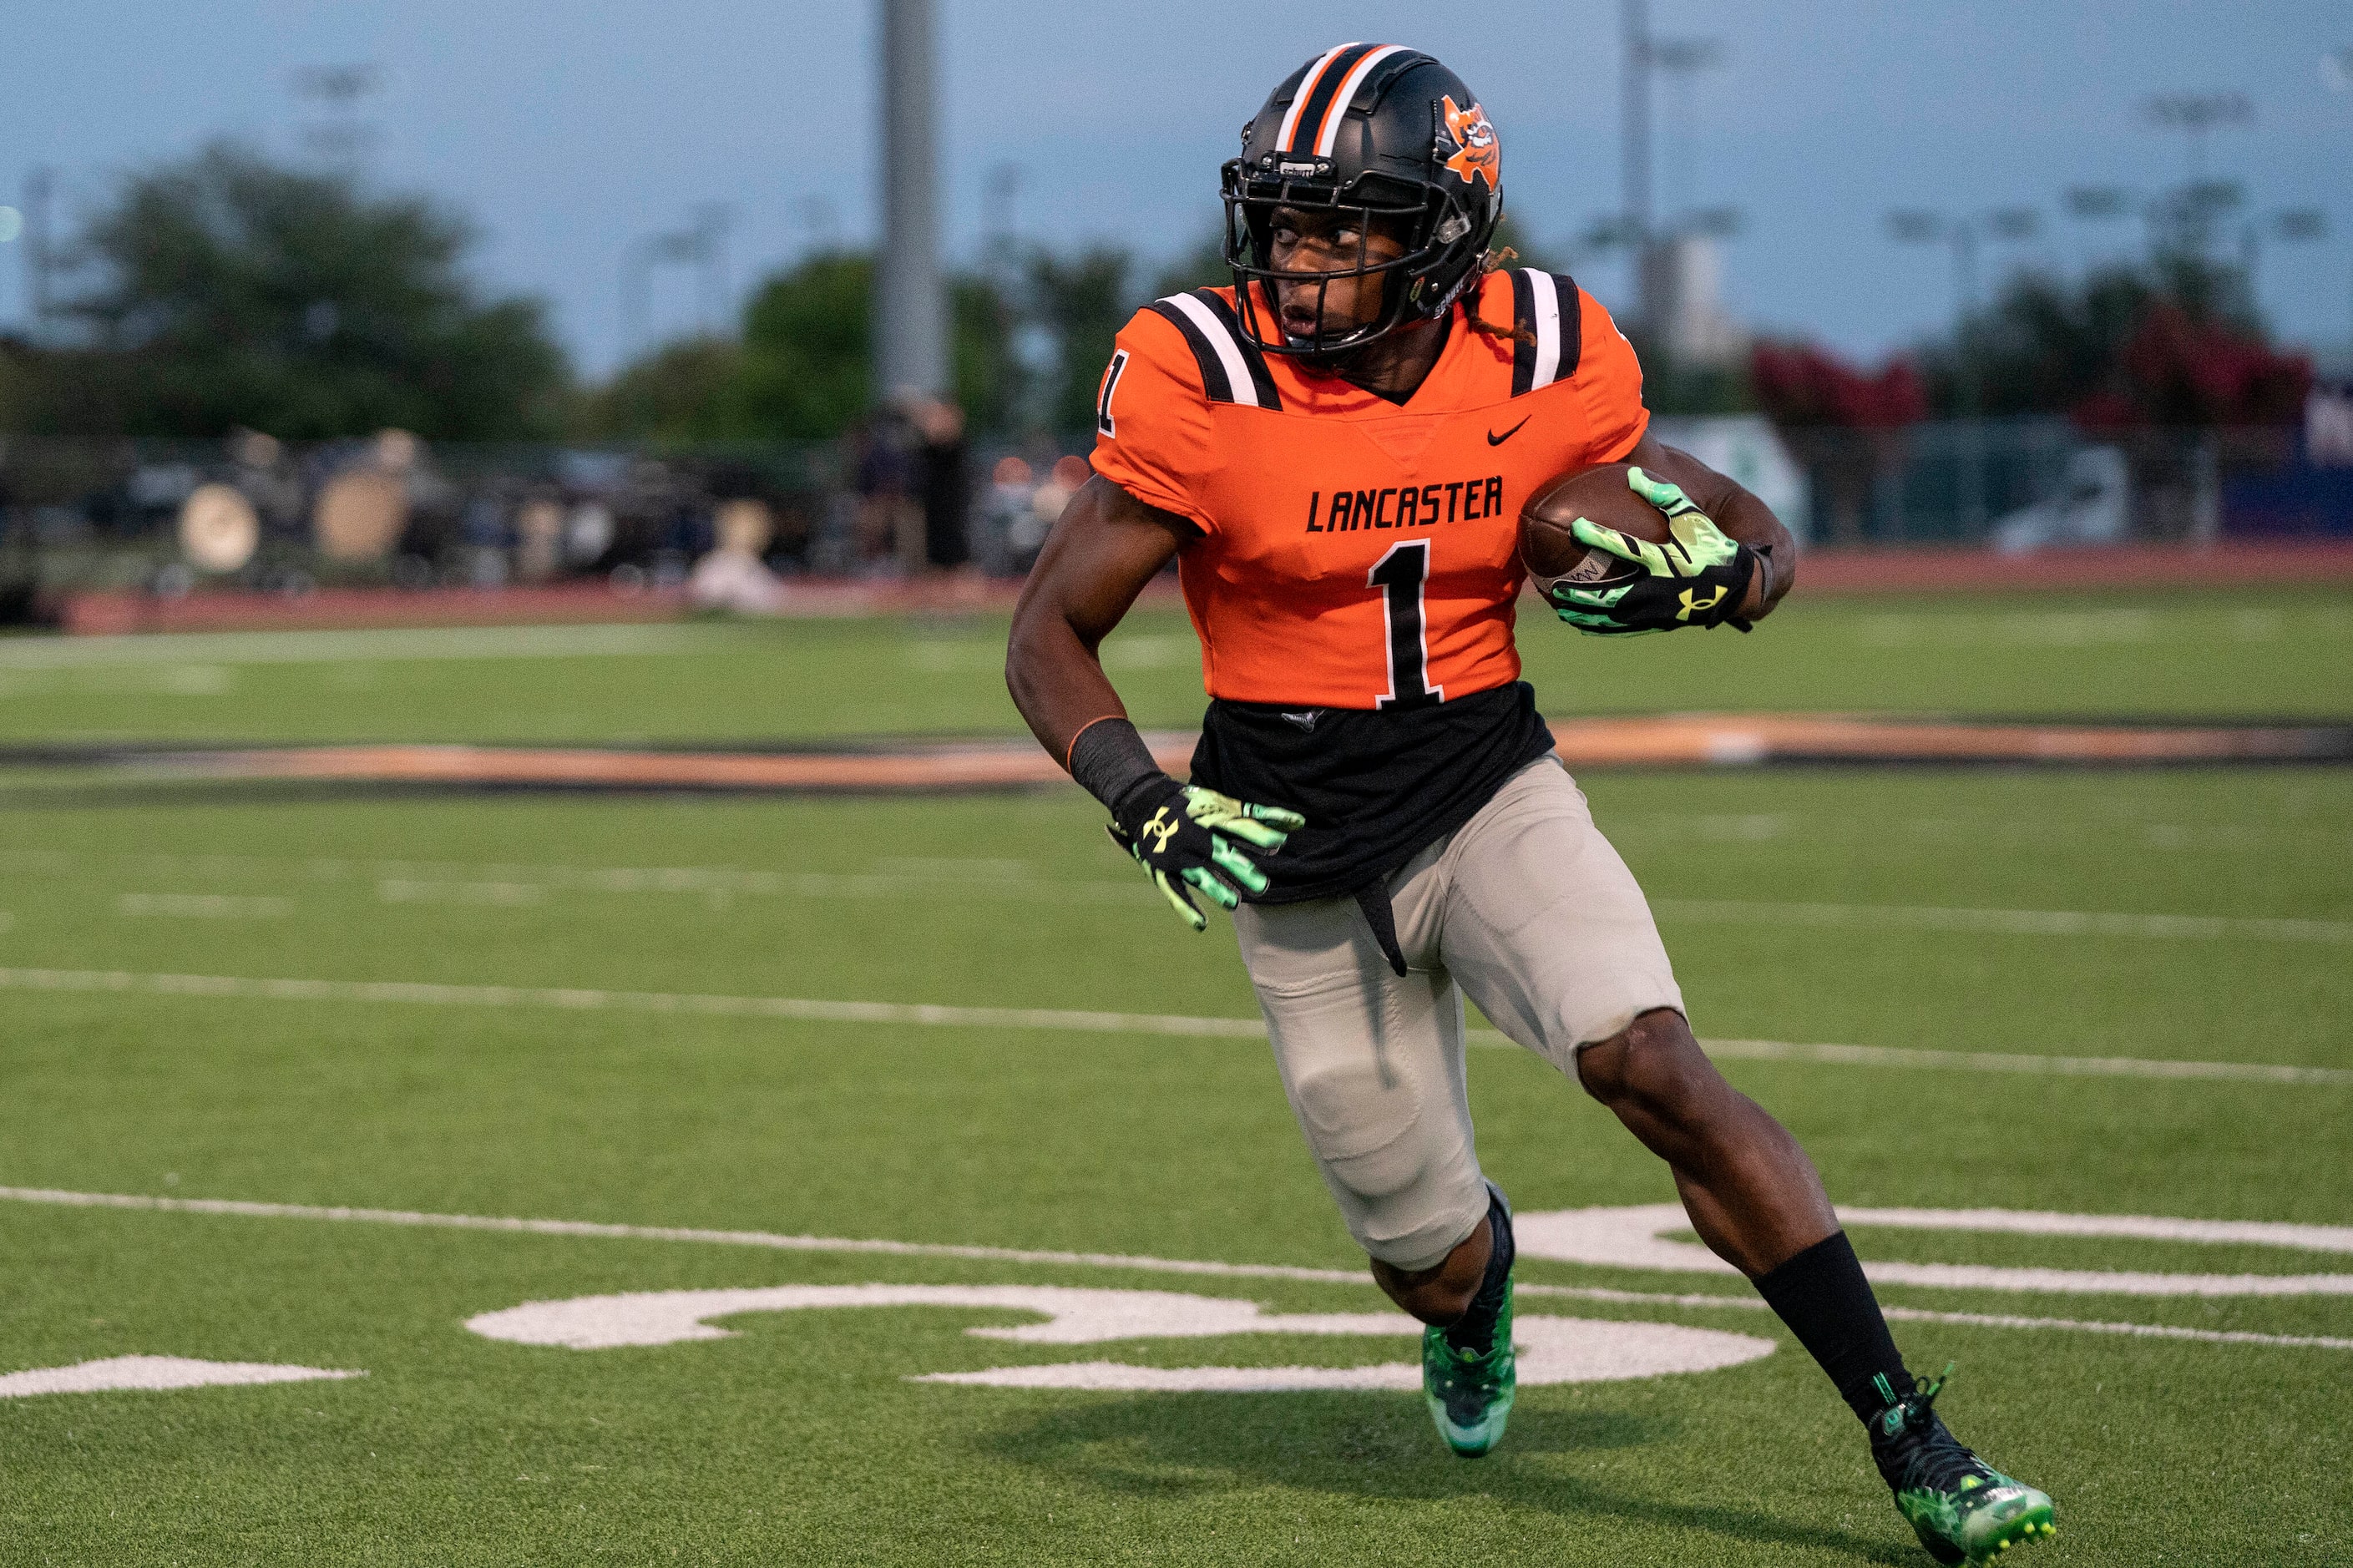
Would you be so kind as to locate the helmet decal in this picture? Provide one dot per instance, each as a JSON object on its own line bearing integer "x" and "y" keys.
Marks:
{"x": 1479, "y": 156}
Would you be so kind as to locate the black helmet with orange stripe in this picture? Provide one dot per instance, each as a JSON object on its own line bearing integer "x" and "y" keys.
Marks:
{"x": 1384, "y": 133}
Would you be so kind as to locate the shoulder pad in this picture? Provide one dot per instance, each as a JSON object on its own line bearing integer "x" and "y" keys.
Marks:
{"x": 1232, "y": 369}
{"x": 1549, "y": 311}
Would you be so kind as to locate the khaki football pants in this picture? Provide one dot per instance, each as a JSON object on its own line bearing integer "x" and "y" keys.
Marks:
{"x": 1527, "y": 909}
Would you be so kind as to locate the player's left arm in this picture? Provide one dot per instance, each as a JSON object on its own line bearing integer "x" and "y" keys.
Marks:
{"x": 1731, "y": 508}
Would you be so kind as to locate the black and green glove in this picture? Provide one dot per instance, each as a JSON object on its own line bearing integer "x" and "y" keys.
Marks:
{"x": 1184, "y": 836}
{"x": 1698, "y": 578}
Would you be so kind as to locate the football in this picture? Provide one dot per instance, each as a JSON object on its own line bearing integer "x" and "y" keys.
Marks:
{"x": 1553, "y": 554}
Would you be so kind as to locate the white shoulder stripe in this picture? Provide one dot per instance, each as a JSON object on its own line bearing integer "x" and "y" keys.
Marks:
{"x": 1323, "y": 143}
{"x": 1306, "y": 90}
{"x": 1229, "y": 352}
{"x": 1545, "y": 299}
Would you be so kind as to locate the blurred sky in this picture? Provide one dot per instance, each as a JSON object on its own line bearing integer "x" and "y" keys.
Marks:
{"x": 567, "y": 129}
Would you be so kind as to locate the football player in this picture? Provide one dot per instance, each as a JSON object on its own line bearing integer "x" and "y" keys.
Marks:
{"x": 1334, "y": 450}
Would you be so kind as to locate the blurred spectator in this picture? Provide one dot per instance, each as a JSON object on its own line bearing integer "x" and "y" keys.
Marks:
{"x": 1009, "y": 536}
{"x": 946, "y": 495}
{"x": 882, "y": 479}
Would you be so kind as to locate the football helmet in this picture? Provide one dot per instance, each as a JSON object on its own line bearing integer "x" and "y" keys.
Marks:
{"x": 1383, "y": 133}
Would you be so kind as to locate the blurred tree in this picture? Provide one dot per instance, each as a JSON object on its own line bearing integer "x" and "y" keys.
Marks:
{"x": 693, "y": 390}
{"x": 805, "y": 369}
{"x": 1800, "y": 385}
{"x": 1844, "y": 423}
{"x": 2173, "y": 340}
{"x": 1203, "y": 267}
{"x": 1083, "y": 299}
{"x": 224, "y": 290}
{"x": 989, "y": 378}
{"x": 806, "y": 347}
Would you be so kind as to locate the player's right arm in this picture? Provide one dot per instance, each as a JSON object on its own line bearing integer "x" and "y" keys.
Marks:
{"x": 1152, "y": 438}
{"x": 1098, "y": 558}
{"x": 1107, "y": 547}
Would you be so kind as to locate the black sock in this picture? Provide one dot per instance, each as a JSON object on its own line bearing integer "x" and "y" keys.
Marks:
{"x": 1828, "y": 1304}
{"x": 1474, "y": 1331}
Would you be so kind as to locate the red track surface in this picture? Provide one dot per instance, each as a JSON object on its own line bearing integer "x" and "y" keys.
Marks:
{"x": 1823, "y": 573}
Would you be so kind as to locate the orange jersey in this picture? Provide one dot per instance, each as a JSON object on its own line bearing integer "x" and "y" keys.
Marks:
{"x": 1354, "y": 554}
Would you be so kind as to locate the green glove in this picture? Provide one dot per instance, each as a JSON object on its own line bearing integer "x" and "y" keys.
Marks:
{"x": 1699, "y": 577}
{"x": 1182, "y": 835}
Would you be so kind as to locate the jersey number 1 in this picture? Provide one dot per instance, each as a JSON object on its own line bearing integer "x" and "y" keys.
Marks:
{"x": 1401, "y": 575}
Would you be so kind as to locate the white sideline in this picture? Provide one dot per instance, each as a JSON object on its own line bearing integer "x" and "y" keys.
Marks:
{"x": 814, "y": 1010}
{"x": 356, "y": 643}
{"x": 767, "y": 1239}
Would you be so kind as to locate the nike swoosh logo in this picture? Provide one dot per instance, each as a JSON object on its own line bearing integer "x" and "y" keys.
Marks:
{"x": 1305, "y": 720}
{"x": 1495, "y": 440}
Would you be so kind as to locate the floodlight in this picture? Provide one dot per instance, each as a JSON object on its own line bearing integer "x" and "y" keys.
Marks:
{"x": 2199, "y": 110}
{"x": 2098, "y": 201}
{"x": 1686, "y": 54}
{"x": 1915, "y": 227}
{"x": 2013, "y": 223}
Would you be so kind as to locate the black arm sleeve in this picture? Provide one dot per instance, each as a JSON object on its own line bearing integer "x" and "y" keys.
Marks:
{"x": 1110, "y": 759}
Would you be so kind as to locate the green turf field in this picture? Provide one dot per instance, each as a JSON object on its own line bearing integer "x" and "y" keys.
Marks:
{"x": 2275, "y": 653}
{"x": 580, "y": 1008}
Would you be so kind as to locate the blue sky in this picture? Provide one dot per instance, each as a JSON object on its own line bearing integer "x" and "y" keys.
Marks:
{"x": 568, "y": 130}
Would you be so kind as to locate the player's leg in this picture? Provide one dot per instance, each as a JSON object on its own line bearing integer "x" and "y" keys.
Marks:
{"x": 1373, "y": 1065}
{"x": 1548, "y": 932}
{"x": 1753, "y": 1195}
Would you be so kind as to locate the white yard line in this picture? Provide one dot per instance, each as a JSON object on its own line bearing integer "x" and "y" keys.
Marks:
{"x": 402, "y": 881}
{"x": 815, "y": 1010}
{"x": 777, "y": 1242}
{"x": 2006, "y": 922}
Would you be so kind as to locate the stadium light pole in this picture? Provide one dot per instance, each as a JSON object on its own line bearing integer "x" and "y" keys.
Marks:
{"x": 39, "y": 186}
{"x": 1682, "y": 60}
{"x": 689, "y": 245}
{"x": 2336, "y": 69}
{"x": 1963, "y": 235}
{"x": 1634, "y": 196}
{"x": 2196, "y": 114}
{"x": 2291, "y": 225}
{"x": 910, "y": 335}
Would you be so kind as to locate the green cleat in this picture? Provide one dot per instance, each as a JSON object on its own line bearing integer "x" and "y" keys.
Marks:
{"x": 1963, "y": 1510}
{"x": 1469, "y": 1395}
{"x": 1470, "y": 1391}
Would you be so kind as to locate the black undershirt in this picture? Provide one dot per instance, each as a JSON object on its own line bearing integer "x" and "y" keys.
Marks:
{"x": 1376, "y": 785}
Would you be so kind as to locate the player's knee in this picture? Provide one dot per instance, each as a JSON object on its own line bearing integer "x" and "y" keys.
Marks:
{"x": 1654, "y": 1062}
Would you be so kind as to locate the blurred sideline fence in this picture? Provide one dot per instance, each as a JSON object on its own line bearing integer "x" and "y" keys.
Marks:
{"x": 249, "y": 512}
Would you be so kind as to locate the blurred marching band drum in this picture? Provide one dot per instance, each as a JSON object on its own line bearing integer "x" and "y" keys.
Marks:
{"x": 362, "y": 511}
{"x": 218, "y": 529}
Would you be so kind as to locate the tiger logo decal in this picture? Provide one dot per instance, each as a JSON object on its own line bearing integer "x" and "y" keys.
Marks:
{"x": 1479, "y": 156}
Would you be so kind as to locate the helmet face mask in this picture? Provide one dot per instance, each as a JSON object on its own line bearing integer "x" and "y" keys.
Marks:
{"x": 1376, "y": 138}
